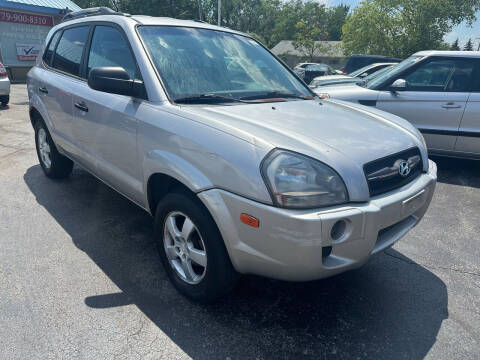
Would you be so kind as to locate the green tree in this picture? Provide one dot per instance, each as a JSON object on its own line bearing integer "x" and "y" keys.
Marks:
{"x": 455, "y": 46}
{"x": 468, "y": 46}
{"x": 402, "y": 27}
{"x": 335, "y": 18}
{"x": 270, "y": 20}
{"x": 307, "y": 41}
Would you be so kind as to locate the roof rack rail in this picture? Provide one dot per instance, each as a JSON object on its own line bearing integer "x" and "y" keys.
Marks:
{"x": 102, "y": 10}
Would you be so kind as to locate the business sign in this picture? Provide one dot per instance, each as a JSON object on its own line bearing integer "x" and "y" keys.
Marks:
{"x": 28, "y": 52}
{"x": 25, "y": 18}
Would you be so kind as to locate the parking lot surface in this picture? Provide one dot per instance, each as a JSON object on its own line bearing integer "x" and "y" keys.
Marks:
{"x": 80, "y": 279}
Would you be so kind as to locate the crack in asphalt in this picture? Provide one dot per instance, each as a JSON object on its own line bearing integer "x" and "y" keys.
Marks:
{"x": 431, "y": 267}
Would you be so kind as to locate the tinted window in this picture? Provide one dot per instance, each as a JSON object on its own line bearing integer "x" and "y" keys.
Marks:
{"x": 109, "y": 48}
{"x": 69, "y": 50}
{"x": 440, "y": 75}
{"x": 47, "y": 56}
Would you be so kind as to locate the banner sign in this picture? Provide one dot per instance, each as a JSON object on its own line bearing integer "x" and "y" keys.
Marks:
{"x": 28, "y": 52}
{"x": 25, "y": 18}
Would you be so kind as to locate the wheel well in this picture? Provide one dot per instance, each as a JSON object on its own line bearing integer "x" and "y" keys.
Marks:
{"x": 160, "y": 185}
{"x": 35, "y": 116}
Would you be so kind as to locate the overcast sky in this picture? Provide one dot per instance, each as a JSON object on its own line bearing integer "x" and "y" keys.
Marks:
{"x": 463, "y": 32}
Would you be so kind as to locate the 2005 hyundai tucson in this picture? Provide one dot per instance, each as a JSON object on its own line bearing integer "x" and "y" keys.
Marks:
{"x": 244, "y": 170}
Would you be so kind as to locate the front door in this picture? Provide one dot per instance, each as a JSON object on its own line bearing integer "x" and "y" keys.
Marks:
{"x": 434, "y": 99}
{"x": 105, "y": 124}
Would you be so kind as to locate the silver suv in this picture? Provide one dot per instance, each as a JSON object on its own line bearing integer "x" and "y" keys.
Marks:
{"x": 437, "y": 91}
{"x": 244, "y": 170}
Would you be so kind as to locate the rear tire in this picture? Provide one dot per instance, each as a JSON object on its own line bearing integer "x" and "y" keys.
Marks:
{"x": 207, "y": 283}
{"x": 54, "y": 164}
{"x": 5, "y": 100}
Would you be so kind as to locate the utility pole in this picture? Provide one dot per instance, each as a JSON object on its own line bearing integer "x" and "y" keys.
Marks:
{"x": 200, "y": 10}
{"x": 478, "y": 38}
{"x": 219, "y": 12}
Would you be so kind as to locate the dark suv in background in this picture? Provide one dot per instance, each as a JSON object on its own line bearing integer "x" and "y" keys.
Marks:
{"x": 356, "y": 62}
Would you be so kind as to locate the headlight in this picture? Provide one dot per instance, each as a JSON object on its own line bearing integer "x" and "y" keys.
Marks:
{"x": 299, "y": 182}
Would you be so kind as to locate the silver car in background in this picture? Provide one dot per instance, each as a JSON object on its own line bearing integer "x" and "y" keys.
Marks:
{"x": 437, "y": 91}
{"x": 345, "y": 79}
{"x": 244, "y": 170}
{"x": 4, "y": 86}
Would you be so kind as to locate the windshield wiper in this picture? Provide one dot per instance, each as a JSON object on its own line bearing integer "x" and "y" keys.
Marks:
{"x": 276, "y": 94}
{"x": 202, "y": 98}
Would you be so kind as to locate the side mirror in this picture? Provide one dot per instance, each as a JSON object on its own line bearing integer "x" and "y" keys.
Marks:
{"x": 399, "y": 85}
{"x": 114, "y": 80}
{"x": 338, "y": 72}
{"x": 364, "y": 75}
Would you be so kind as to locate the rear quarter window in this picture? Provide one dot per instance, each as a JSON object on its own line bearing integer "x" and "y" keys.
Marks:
{"x": 48, "y": 55}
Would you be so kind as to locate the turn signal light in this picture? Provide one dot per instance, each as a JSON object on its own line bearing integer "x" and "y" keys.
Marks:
{"x": 249, "y": 220}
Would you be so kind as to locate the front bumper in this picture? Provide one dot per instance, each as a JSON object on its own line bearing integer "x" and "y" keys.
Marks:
{"x": 4, "y": 86}
{"x": 291, "y": 244}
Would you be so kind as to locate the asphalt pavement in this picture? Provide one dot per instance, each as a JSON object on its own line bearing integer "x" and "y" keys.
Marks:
{"x": 80, "y": 279}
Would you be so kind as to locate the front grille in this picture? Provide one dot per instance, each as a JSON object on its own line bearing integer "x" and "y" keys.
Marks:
{"x": 384, "y": 174}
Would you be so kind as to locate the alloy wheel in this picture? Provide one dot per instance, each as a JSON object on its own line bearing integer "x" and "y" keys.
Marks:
{"x": 44, "y": 148}
{"x": 184, "y": 247}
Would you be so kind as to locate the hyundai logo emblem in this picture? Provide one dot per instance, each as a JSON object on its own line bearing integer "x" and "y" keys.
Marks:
{"x": 404, "y": 168}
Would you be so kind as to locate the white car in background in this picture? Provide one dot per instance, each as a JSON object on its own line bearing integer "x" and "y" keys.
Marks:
{"x": 437, "y": 91}
{"x": 355, "y": 76}
{"x": 359, "y": 79}
{"x": 4, "y": 86}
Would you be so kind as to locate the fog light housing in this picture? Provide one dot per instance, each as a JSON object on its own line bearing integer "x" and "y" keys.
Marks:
{"x": 338, "y": 230}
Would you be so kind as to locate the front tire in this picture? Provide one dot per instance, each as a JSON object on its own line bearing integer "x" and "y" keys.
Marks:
{"x": 191, "y": 248}
{"x": 54, "y": 164}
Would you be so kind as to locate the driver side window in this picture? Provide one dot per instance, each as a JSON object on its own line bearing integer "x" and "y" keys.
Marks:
{"x": 441, "y": 75}
{"x": 110, "y": 49}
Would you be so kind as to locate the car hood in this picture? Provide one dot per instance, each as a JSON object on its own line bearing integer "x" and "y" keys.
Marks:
{"x": 345, "y": 136}
{"x": 348, "y": 92}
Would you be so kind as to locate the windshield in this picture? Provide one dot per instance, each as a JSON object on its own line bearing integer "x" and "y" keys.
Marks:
{"x": 391, "y": 72}
{"x": 196, "y": 62}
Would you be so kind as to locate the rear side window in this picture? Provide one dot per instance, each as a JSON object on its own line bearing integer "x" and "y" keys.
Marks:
{"x": 109, "y": 48}
{"x": 68, "y": 54}
{"x": 47, "y": 56}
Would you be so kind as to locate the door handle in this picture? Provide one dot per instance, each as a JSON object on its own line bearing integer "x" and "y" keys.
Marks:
{"x": 451, "y": 105}
{"x": 43, "y": 89}
{"x": 81, "y": 106}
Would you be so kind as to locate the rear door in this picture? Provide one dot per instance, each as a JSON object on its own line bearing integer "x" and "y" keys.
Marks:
{"x": 434, "y": 100}
{"x": 62, "y": 60}
{"x": 468, "y": 140}
{"x": 105, "y": 125}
